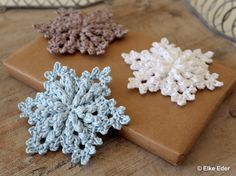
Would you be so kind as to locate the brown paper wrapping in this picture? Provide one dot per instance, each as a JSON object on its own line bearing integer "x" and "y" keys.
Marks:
{"x": 157, "y": 124}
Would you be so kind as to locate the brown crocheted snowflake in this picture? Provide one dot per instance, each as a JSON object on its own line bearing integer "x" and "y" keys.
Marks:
{"x": 73, "y": 31}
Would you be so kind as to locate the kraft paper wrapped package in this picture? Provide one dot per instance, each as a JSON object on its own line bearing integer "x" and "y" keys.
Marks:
{"x": 157, "y": 124}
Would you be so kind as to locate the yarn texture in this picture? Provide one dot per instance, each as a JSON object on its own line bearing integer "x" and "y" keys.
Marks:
{"x": 173, "y": 72}
{"x": 71, "y": 112}
{"x": 73, "y": 31}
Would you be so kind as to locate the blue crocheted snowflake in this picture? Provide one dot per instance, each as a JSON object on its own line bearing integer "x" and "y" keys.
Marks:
{"x": 71, "y": 112}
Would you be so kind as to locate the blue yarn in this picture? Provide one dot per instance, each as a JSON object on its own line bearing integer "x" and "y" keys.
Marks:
{"x": 71, "y": 112}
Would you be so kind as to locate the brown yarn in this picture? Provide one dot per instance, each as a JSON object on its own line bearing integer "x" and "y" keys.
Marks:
{"x": 73, "y": 30}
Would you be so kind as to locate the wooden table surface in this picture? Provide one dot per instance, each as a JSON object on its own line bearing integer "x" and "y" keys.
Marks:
{"x": 170, "y": 18}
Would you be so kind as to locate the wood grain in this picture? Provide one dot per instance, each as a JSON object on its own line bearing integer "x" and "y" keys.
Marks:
{"x": 117, "y": 156}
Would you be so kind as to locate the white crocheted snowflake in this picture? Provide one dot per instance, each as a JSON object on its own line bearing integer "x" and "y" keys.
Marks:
{"x": 71, "y": 112}
{"x": 176, "y": 73}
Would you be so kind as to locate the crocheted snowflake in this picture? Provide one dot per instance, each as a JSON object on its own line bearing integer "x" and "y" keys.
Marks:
{"x": 73, "y": 30}
{"x": 71, "y": 112}
{"x": 176, "y": 73}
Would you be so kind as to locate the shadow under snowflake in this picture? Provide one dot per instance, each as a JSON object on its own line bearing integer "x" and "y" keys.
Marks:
{"x": 71, "y": 112}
